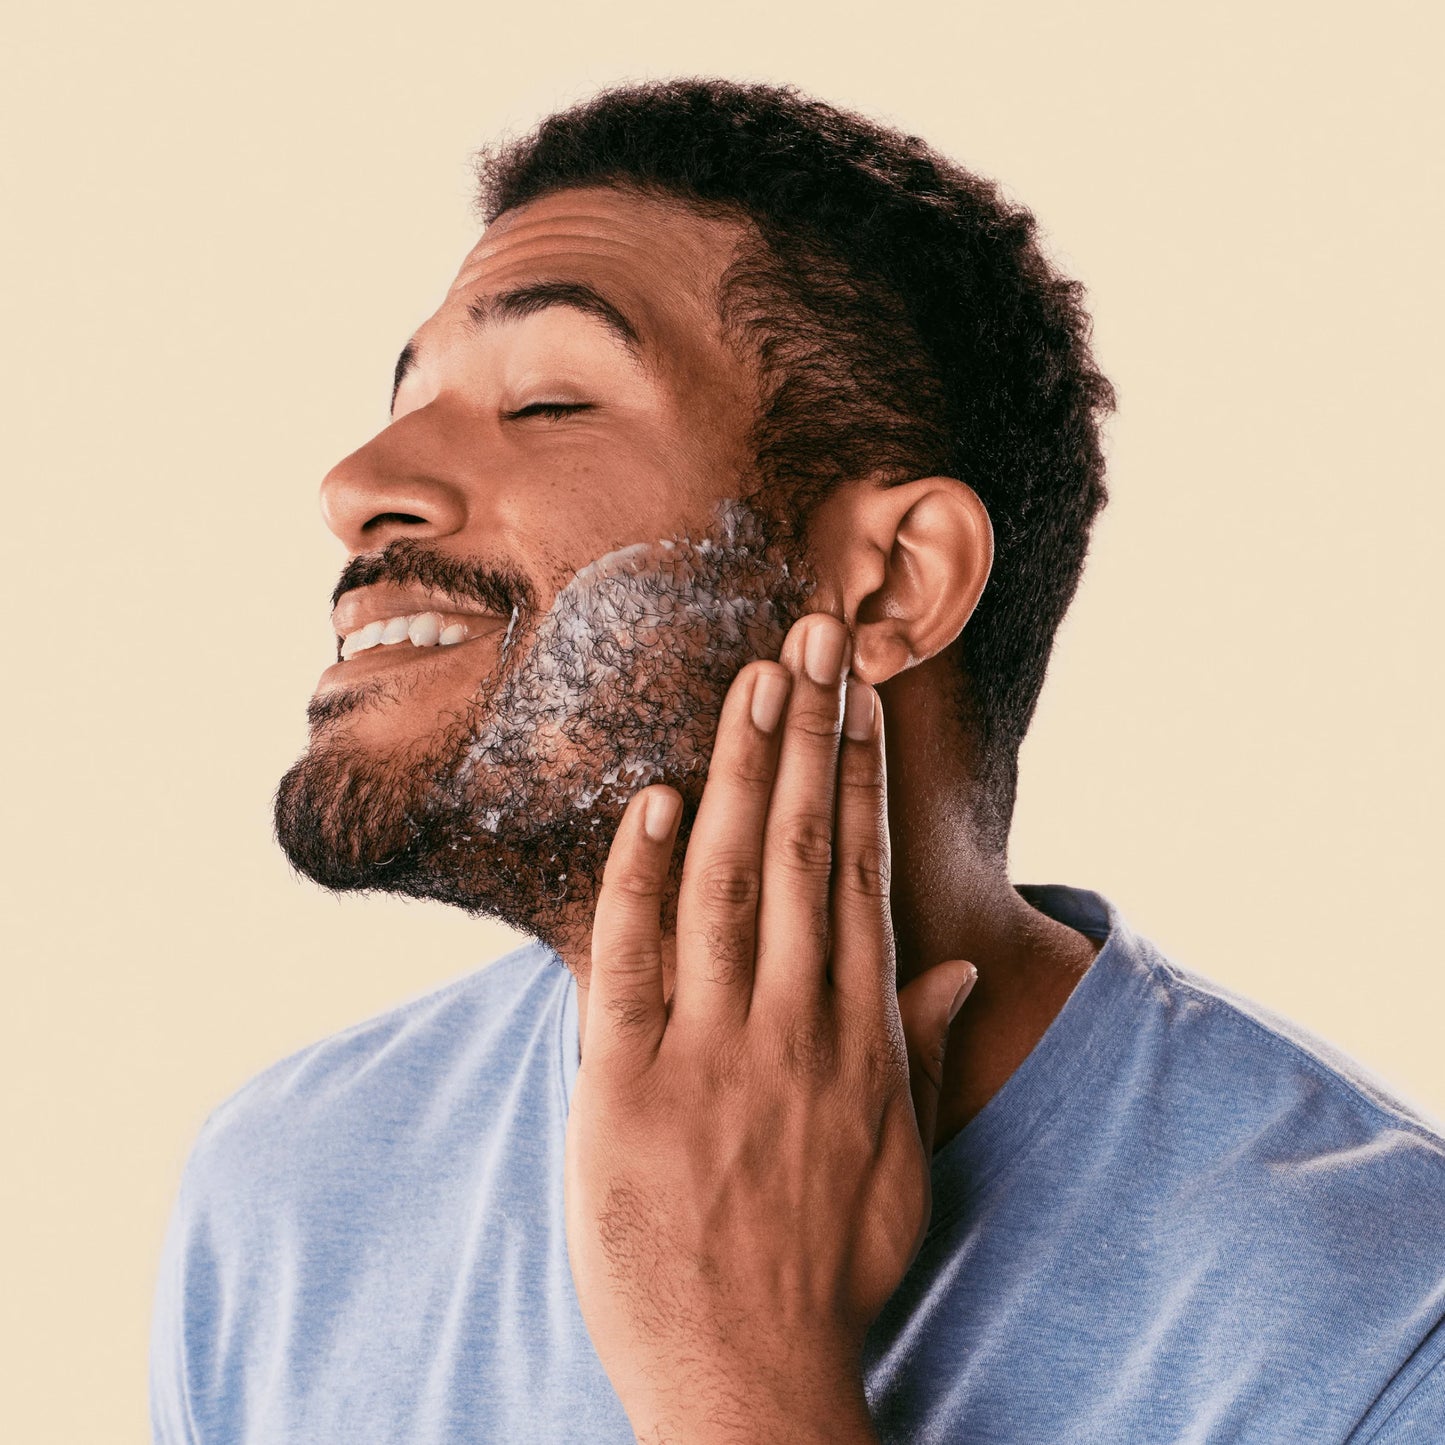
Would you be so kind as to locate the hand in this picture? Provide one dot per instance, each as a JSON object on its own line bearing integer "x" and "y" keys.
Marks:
{"x": 748, "y": 1163}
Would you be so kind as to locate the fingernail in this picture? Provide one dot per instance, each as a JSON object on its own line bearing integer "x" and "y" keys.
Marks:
{"x": 661, "y": 811}
{"x": 823, "y": 654}
{"x": 963, "y": 993}
{"x": 858, "y": 711}
{"x": 770, "y": 692}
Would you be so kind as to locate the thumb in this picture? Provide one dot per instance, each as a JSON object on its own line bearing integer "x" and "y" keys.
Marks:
{"x": 927, "y": 1005}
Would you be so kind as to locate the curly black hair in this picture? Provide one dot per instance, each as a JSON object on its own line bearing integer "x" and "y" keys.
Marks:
{"x": 905, "y": 323}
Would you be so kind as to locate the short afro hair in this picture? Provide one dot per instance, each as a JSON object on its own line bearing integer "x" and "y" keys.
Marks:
{"x": 906, "y": 324}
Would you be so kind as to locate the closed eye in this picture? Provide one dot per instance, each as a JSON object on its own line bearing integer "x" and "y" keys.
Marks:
{"x": 552, "y": 410}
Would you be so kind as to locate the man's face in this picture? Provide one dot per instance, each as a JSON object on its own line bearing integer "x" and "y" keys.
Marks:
{"x": 563, "y": 495}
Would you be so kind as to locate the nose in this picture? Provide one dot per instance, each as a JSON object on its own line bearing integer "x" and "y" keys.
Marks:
{"x": 404, "y": 482}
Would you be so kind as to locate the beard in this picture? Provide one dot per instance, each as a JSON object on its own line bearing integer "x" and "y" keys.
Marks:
{"x": 509, "y": 808}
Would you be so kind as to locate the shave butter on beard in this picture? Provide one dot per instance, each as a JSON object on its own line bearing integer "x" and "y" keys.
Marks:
{"x": 625, "y": 674}
{"x": 506, "y": 806}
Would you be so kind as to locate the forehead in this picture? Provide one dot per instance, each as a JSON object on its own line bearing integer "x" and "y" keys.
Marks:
{"x": 660, "y": 263}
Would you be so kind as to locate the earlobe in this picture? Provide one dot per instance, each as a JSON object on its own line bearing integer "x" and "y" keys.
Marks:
{"x": 878, "y": 654}
{"x": 922, "y": 552}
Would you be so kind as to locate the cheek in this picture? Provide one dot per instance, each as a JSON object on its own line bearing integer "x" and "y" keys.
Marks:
{"x": 584, "y": 506}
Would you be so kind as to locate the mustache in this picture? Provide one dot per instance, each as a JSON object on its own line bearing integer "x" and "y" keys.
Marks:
{"x": 407, "y": 562}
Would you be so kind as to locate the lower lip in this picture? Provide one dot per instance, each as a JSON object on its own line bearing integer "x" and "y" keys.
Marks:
{"x": 392, "y": 657}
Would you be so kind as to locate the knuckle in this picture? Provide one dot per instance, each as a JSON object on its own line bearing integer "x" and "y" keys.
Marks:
{"x": 624, "y": 956}
{"x": 807, "y": 843}
{"x": 750, "y": 768}
{"x": 861, "y": 779}
{"x": 723, "y": 1067}
{"x": 867, "y": 871}
{"x": 733, "y": 884}
{"x": 637, "y": 885}
{"x": 878, "y": 1047}
{"x": 809, "y": 1049}
{"x": 884, "y": 1062}
{"x": 815, "y": 722}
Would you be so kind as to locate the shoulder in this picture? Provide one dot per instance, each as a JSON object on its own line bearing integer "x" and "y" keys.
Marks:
{"x": 1269, "y": 1069}
{"x": 1286, "y": 1153}
{"x": 1178, "y": 1039}
{"x": 377, "y": 1083}
{"x": 1218, "y": 1125}
{"x": 1181, "y": 1041}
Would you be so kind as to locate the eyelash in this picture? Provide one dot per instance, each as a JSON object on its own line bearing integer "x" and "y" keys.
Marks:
{"x": 552, "y": 410}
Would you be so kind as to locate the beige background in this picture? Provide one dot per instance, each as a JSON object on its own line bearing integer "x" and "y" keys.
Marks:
{"x": 220, "y": 224}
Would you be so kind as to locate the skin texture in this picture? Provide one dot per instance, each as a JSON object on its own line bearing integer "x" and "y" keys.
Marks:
{"x": 638, "y": 515}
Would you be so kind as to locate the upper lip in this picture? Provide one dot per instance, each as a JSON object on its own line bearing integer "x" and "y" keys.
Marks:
{"x": 380, "y": 602}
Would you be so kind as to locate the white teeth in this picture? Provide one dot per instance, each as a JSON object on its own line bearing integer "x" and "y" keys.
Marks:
{"x": 425, "y": 629}
{"x": 369, "y": 636}
{"x": 421, "y": 629}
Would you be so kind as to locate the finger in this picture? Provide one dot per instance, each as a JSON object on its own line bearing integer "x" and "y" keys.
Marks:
{"x": 626, "y": 1008}
{"x": 793, "y": 914}
{"x": 927, "y": 1007}
{"x": 717, "y": 908}
{"x": 862, "y": 962}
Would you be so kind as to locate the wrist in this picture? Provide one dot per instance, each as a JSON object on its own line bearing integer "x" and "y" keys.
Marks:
{"x": 809, "y": 1410}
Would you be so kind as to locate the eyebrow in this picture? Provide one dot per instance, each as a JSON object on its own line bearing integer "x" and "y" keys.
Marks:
{"x": 528, "y": 300}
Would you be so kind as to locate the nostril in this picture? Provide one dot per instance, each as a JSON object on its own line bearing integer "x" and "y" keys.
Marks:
{"x": 385, "y": 517}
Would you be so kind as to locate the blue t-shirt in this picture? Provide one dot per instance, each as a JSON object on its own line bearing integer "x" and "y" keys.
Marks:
{"x": 1182, "y": 1218}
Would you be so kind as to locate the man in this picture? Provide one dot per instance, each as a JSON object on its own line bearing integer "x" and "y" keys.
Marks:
{"x": 754, "y": 443}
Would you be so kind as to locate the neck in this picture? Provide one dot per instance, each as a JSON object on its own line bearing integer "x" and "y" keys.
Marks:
{"x": 950, "y": 899}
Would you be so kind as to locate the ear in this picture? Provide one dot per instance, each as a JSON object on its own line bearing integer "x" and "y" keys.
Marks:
{"x": 904, "y": 564}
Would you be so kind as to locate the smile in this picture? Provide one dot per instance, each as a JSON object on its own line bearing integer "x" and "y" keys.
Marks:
{"x": 420, "y": 629}
{"x": 367, "y": 658}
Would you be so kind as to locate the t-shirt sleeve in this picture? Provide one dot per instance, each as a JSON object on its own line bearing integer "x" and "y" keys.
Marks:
{"x": 172, "y": 1421}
